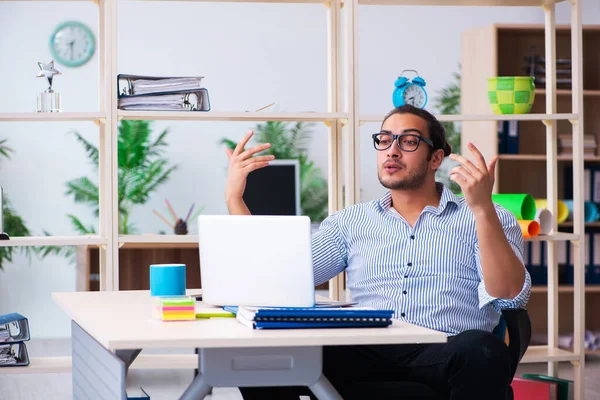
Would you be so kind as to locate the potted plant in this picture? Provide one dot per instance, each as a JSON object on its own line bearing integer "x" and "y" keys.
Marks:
{"x": 142, "y": 170}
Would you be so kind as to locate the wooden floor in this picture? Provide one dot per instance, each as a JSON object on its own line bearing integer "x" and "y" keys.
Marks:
{"x": 170, "y": 384}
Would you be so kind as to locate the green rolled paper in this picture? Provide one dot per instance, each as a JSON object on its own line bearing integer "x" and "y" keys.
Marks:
{"x": 521, "y": 205}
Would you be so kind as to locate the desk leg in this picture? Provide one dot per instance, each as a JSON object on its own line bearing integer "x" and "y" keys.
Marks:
{"x": 324, "y": 390}
{"x": 197, "y": 390}
{"x": 128, "y": 356}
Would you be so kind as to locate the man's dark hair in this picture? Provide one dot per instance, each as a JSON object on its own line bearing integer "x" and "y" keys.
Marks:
{"x": 437, "y": 133}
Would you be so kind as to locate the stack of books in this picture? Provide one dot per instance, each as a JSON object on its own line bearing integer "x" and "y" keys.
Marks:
{"x": 535, "y": 65}
{"x": 155, "y": 93}
{"x": 565, "y": 144}
{"x": 14, "y": 332}
{"x": 312, "y": 317}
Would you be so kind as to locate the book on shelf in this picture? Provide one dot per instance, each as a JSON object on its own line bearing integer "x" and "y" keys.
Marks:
{"x": 153, "y": 93}
{"x": 14, "y": 331}
{"x": 312, "y": 317}
{"x": 565, "y": 144}
{"x": 535, "y": 65}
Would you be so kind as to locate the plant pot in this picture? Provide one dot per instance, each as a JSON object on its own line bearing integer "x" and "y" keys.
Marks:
{"x": 511, "y": 94}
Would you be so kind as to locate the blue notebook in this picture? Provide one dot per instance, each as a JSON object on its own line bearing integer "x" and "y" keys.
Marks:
{"x": 313, "y": 317}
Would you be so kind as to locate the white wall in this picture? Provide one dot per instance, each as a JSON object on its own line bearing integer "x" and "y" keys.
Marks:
{"x": 250, "y": 54}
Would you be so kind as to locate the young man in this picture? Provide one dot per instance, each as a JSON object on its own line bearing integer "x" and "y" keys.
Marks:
{"x": 440, "y": 261}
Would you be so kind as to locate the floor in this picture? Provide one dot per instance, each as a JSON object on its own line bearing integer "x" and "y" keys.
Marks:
{"x": 170, "y": 384}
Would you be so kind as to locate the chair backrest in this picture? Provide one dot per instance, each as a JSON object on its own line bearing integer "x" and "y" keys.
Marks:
{"x": 500, "y": 329}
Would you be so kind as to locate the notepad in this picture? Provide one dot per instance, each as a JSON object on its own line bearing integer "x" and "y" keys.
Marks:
{"x": 179, "y": 308}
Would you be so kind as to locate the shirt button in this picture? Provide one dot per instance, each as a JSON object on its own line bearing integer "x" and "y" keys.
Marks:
{"x": 403, "y": 315}
{"x": 409, "y": 264}
{"x": 412, "y": 237}
{"x": 404, "y": 292}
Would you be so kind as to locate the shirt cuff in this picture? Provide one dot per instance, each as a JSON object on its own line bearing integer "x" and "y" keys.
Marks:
{"x": 519, "y": 301}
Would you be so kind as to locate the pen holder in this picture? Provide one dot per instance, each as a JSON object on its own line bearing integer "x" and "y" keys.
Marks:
{"x": 167, "y": 279}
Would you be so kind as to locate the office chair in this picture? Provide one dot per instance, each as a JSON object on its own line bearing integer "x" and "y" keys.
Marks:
{"x": 516, "y": 321}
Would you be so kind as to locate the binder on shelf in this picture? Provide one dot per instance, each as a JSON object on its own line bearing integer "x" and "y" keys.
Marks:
{"x": 14, "y": 331}
{"x": 152, "y": 93}
{"x": 313, "y": 317}
{"x": 511, "y": 137}
{"x": 130, "y": 85}
{"x": 14, "y": 328}
{"x": 173, "y": 101}
{"x": 502, "y": 129}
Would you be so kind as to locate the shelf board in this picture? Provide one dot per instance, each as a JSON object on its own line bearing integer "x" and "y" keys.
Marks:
{"x": 255, "y": 1}
{"x": 40, "y": 365}
{"x": 568, "y": 224}
{"x": 508, "y": 3}
{"x": 564, "y": 289}
{"x": 53, "y": 241}
{"x": 59, "y": 116}
{"x": 554, "y": 237}
{"x": 541, "y": 157}
{"x": 485, "y": 117}
{"x": 569, "y": 92}
{"x": 536, "y": 354}
{"x": 231, "y": 116}
{"x": 151, "y": 240}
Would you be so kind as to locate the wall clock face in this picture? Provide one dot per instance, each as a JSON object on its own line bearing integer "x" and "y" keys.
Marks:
{"x": 72, "y": 44}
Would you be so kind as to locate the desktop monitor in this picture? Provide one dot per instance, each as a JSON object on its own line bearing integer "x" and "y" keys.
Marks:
{"x": 275, "y": 189}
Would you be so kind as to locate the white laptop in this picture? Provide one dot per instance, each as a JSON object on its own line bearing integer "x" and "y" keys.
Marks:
{"x": 256, "y": 260}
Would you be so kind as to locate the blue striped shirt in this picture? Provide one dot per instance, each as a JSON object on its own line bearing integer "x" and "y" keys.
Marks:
{"x": 429, "y": 274}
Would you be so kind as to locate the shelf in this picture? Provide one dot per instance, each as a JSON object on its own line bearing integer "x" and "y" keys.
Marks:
{"x": 536, "y": 354}
{"x": 150, "y": 240}
{"x": 541, "y": 157}
{"x": 569, "y": 92}
{"x": 40, "y": 365}
{"x": 255, "y": 1}
{"x": 554, "y": 237}
{"x": 486, "y": 117}
{"x": 59, "y": 116}
{"x": 507, "y": 3}
{"x": 564, "y": 289}
{"x": 568, "y": 224}
{"x": 231, "y": 116}
{"x": 53, "y": 241}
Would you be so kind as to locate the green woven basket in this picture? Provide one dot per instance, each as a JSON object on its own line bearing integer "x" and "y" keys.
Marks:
{"x": 511, "y": 94}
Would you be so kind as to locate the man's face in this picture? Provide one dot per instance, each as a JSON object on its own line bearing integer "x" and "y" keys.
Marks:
{"x": 402, "y": 170}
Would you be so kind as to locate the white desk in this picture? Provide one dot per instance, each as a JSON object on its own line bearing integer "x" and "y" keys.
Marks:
{"x": 109, "y": 329}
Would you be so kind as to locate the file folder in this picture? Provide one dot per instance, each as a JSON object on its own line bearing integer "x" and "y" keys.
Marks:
{"x": 14, "y": 331}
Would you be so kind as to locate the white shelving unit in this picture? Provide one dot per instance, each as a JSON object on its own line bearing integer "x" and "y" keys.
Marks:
{"x": 338, "y": 121}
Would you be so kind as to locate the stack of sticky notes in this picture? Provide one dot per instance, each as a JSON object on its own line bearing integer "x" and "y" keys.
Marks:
{"x": 180, "y": 308}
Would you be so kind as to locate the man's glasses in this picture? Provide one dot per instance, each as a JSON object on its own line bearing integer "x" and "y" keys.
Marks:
{"x": 407, "y": 142}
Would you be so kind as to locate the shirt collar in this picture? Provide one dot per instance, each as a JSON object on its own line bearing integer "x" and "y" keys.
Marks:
{"x": 447, "y": 197}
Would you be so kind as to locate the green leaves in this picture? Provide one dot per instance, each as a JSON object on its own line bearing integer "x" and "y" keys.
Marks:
{"x": 14, "y": 226}
{"x": 142, "y": 170}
